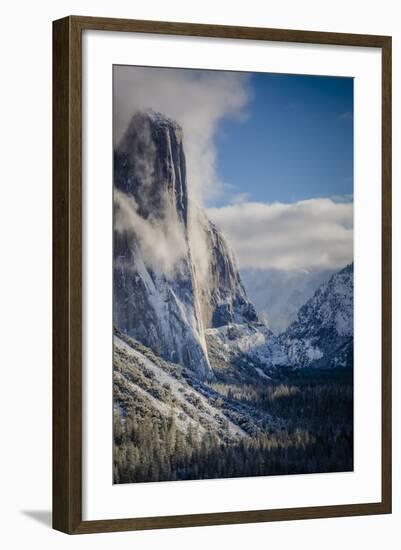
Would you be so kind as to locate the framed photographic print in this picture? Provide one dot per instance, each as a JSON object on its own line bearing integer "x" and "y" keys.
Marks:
{"x": 222, "y": 275}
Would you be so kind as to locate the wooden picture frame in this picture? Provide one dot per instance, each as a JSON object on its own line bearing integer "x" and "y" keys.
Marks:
{"x": 67, "y": 274}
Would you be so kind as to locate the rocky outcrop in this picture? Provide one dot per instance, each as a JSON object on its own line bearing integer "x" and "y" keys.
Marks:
{"x": 222, "y": 294}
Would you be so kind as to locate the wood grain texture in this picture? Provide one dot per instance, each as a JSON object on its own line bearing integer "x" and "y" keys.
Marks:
{"x": 225, "y": 31}
{"x": 67, "y": 278}
{"x": 229, "y": 518}
{"x": 386, "y": 275}
{"x": 67, "y": 274}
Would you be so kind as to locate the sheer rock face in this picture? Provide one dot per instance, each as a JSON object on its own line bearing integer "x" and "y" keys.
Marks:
{"x": 149, "y": 165}
{"x": 160, "y": 296}
{"x": 322, "y": 333}
{"x": 222, "y": 295}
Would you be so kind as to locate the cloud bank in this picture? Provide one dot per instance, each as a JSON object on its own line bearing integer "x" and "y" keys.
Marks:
{"x": 197, "y": 100}
{"x": 306, "y": 235}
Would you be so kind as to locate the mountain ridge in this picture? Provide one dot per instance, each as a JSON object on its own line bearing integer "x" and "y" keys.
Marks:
{"x": 177, "y": 288}
{"x": 322, "y": 333}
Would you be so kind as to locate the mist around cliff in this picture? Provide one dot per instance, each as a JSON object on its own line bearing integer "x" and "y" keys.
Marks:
{"x": 161, "y": 241}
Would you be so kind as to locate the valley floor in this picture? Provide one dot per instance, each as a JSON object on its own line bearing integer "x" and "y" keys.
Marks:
{"x": 170, "y": 426}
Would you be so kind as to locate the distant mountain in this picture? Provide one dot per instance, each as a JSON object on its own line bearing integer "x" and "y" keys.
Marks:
{"x": 322, "y": 333}
{"x": 279, "y": 294}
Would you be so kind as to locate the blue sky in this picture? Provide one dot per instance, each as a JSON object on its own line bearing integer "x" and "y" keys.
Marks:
{"x": 265, "y": 154}
{"x": 295, "y": 143}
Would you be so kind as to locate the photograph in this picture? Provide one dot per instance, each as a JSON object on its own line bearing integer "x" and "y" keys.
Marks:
{"x": 233, "y": 263}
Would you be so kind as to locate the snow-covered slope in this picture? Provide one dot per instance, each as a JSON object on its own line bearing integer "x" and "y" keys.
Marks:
{"x": 246, "y": 352}
{"x": 155, "y": 387}
{"x": 322, "y": 333}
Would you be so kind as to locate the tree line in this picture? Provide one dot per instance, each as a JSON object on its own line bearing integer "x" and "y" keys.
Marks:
{"x": 318, "y": 437}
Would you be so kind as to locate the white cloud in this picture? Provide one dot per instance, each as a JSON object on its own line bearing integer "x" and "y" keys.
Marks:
{"x": 197, "y": 100}
{"x": 161, "y": 241}
{"x": 310, "y": 234}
